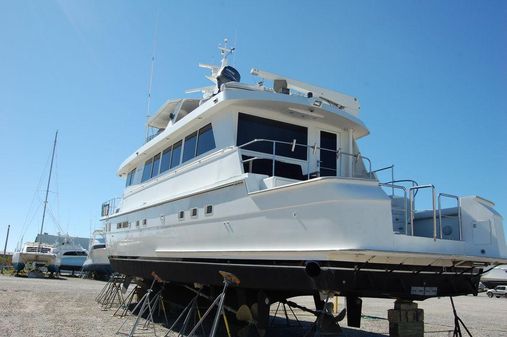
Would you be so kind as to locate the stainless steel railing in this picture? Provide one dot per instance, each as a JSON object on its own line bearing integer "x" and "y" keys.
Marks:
{"x": 310, "y": 150}
{"x": 458, "y": 203}
{"x": 110, "y": 207}
{"x": 411, "y": 202}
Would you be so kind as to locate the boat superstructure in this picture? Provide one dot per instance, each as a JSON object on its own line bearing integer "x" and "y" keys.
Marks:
{"x": 97, "y": 262}
{"x": 268, "y": 183}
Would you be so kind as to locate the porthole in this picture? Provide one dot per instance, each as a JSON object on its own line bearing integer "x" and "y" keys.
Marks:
{"x": 194, "y": 213}
{"x": 181, "y": 215}
{"x": 209, "y": 210}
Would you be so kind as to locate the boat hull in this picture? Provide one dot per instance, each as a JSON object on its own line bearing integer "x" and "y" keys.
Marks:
{"x": 269, "y": 237}
{"x": 290, "y": 278}
{"x": 21, "y": 259}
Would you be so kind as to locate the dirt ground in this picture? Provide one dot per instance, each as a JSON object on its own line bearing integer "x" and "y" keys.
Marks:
{"x": 66, "y": 307}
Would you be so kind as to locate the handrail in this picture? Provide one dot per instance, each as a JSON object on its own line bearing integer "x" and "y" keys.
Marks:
{"x": 393, "y": 186}
{"x": 460, "y": 229}
{"x": 411, "y": 195}
{"x": 109, "y": 207}
{"x": 313, "y": 148}
{"x": 392, "y": 175}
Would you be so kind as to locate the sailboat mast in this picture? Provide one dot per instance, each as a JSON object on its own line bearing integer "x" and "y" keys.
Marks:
{"x": 49, "y": 181}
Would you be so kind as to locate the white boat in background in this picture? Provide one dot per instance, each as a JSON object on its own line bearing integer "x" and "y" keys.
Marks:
{"x": 97, "y": 262}
{"x": 269, "y": 184}
{"x": 34, "y": 256}
{"x": 70, "y": 256}
{"x": 495, "y": 277}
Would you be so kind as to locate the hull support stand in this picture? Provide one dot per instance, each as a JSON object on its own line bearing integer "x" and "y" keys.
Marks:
{"x": 405, "y": 320}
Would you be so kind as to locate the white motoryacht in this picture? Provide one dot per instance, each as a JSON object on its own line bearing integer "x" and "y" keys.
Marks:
{"x": 268, "y": 183}
{"x": 97, "y": 262}
{"x": 495, "y": 277}
{"x": 70, "y": 255}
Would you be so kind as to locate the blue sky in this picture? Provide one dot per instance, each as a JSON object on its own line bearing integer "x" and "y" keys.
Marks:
{"x": 431, "y": 77}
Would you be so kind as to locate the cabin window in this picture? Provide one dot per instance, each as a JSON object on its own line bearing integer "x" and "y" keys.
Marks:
{"x": 253, "y": 127}
{"x": 194, "y": 213}
{"x": 209, "y": 210}
{"x": 166, "y": 160}
{"x": 206, "y": 140}
{"x": 189, "y": 147}
{"x": 176, "y": 154}
{"x": 118, "y": 225}
{"x": 137, "y": 223}
{"x": 147, "y": 170}
{"x": 130, "y": 177}
{"x": 145, "y": 222}
{"x": 155, "y": 166}
{"x": 181, "y": 215}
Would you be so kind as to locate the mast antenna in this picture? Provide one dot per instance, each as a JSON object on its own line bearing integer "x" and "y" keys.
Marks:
{"x": 49, "y": 182}
{"x": 152, "y": 66}
{"x": 225, "y": 52}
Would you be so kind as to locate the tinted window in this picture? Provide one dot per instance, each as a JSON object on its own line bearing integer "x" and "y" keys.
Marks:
{"x": 147, "y": 170}
{"x": 189, "y": 147}
{"x": 130, "y": 177}
{"x": 156, "y": 163}
{"x": 206, "y": 141}
{"x": 166, "y": 160}
{"x": 252, "y": 127}
{"x": 176, "y": 154}
{"x": 328, "y": 149}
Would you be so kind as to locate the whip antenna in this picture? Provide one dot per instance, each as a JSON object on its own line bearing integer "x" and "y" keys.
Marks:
{"x": 148, "y": 103}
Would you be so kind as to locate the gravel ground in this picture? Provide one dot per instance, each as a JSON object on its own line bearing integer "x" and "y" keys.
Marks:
{"x": 66, "y": 307}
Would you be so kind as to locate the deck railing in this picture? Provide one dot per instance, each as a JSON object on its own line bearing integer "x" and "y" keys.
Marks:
{"x": 110, "y": 207}
{"x": 311, "y": 150}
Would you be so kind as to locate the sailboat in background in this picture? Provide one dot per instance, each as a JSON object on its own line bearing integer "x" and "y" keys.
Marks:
{"x": 38, "y": 256}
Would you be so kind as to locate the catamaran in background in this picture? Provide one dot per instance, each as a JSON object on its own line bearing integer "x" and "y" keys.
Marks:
{"x": 269, "y": 184}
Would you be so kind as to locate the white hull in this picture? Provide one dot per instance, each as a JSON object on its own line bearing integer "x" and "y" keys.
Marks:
{"x": 38, "y": 255}
{"x": 336, "y": 225}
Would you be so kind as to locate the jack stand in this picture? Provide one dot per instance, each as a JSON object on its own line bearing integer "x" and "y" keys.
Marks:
{"x": 191, "y": 309}
{"x": 287, "y": 320}
{"x": 229, "y": 279}
{"x": 111, "y": 293}
{"x": 147, "y": 305}
{"x": 457, "y": 322}
{"x": 126, "y": 303}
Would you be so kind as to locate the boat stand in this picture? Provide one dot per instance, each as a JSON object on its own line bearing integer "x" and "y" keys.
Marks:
{"x": 148, "y": 305}
{"x": 287, "y": 319}
{"x": 112, "y": 293}
{"x": 229, "y": 280}
{"x": 324, "y": 324}
{"x": 191, "y": 310}
{"x": 123, "y": 308}
{"x": 458, "y": 322}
